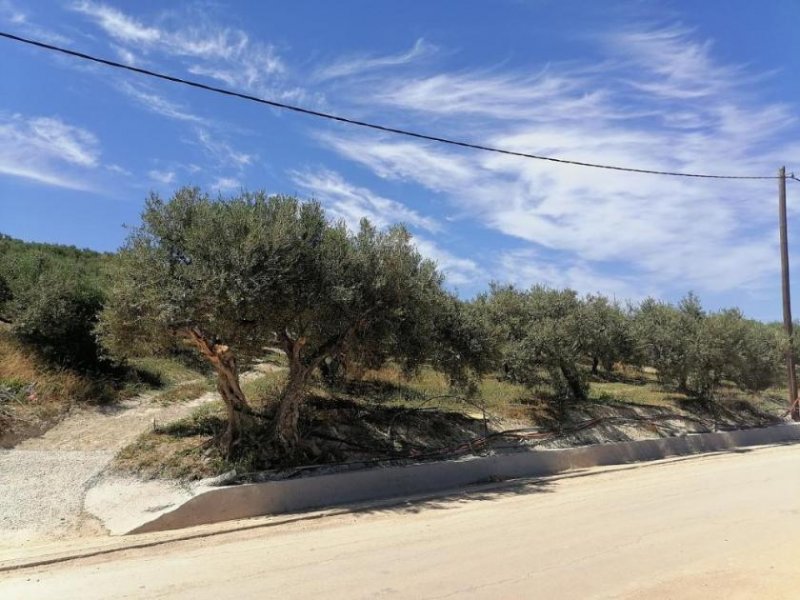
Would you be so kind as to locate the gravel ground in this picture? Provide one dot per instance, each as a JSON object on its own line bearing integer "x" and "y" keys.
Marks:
{"x": 42, "y": 492}
{"x": 44, "y": 480}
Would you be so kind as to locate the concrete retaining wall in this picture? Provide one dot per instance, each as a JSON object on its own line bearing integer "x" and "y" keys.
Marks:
{"x": 250, "y": 500}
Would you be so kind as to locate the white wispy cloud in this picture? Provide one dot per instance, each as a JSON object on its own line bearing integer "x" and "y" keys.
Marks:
{"x": 458, "y": 271}
{"x": 545, "y": 96}
{"x": 226, "y": 184}
{"x": 20, "y": 18}
{"x": 221, "y": 151}
{"x": 47, "y": 150}
{"x": 223, "y": 53}
{"x": 412, "y": 161}
{"x": 352, "y": 203}
{"x": 209, "y": 135}
{"x": 668, "y": 66}
{"x": 527, "y": 266}
{"x": 127, "y": 56}
{"x": 159, "y": 104}
{"x": 72, "y": 144}
{"x": 117, "y": 24}
{"x": 118, "y": 170}
{"x": 12, "y": 13}
{"x": 358, "y": 64}
{"x": 163, "y": 177}
{"x": 660, "y": 101}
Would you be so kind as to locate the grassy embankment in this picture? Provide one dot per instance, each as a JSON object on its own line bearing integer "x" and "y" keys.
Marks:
{"x": 385, "y": 412}
{"x": 35, "y": 394}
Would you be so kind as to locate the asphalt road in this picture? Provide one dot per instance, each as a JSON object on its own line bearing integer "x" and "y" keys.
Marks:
{"x": 719, "y": 526}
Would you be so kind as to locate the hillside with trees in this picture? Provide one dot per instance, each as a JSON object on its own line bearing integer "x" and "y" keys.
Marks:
{"x": 357, "y": 321}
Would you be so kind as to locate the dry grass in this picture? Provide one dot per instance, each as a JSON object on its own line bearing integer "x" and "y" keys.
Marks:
{"x": 38, "y": 395}
{"x": 277, "y": 357}
{"x": 184, "y": 449}
{"x": 182, "y": 392}
{"x": 162, "y": 372}
{"x": 265, "y": 389}
{"x": 34, "y": 395}
{"x": 180, "y": 450}
{"x": 644, "y": 394}
{"x": 430, "y": 388}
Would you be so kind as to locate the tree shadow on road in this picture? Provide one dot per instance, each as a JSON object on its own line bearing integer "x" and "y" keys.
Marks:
{"x": 496, "y": 489}
{"x": 481, "y": 492}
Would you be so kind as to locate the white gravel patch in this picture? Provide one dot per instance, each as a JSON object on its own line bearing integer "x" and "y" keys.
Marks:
{"x": 41, "y": 492}
{"x": 43, "y": 480}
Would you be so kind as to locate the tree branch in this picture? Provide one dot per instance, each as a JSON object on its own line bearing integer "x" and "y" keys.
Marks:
{"x": 335, "y": 342}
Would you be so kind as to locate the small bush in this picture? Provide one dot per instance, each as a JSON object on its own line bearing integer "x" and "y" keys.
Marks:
{"x": 58, "y": 319}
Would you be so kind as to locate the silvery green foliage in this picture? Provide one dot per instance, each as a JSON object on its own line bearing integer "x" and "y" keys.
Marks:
{"x": 665, "y": 336}
{"x": 256, "y": 270}
{"x": 211, "y": 264}
{"x": 542, "y": 335}
{"x": 608, "y": 333}
{"x": 696, "y": 351}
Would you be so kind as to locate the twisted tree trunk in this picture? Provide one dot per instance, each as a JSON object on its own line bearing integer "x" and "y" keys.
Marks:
{"x": 286, "y": 434}
{"x": 573, "y": 379}
{"x": 224, "y": 362}
{"x": 287, "y": 419}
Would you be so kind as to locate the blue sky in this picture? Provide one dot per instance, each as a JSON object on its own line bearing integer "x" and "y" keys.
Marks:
{"x": 690, "y": 86}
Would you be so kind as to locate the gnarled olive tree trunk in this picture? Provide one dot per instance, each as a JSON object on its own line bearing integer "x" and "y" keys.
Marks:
{"x": 573, "y": 379}
{"x": 286, "y": 433}
{"x": 224, "y": 362}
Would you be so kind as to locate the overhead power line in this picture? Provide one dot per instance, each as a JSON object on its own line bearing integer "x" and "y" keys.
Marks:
{"x": 365, "y": 124}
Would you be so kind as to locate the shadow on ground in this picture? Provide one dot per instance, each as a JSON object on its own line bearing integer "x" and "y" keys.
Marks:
{"x": 498, "y": 489}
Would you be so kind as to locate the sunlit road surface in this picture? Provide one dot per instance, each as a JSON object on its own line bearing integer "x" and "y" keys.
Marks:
{"x": 715, "y": 526}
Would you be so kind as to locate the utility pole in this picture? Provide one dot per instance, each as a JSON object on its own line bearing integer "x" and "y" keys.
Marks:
{"x": 787, "y": 301}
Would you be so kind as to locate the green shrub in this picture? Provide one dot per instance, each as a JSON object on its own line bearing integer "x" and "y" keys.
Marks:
{"x": 58, "y": 315}
{"x": 541, "y": 333}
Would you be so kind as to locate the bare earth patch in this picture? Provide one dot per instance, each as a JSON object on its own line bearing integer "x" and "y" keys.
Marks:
{"x": 44, "y": 479}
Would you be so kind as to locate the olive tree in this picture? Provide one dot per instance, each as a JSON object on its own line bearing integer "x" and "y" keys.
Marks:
{"x": 201, "y": 271}
{"x": 465, "y": 345}
{"x": 369, "y": 293}
{"x": 715, "y": 352}
{"x": 664, "y": 337}
{"x": 729, "y": 347}
{"x": 232, "y": 276}
{"x": 57, "y": 317}
{"x": 607, "y": 333}
{"x": 762, "y": 357}
{"x": 51, "y": 295}
{"x": 541, "y": 332}
{"x": 696, "y": 351}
